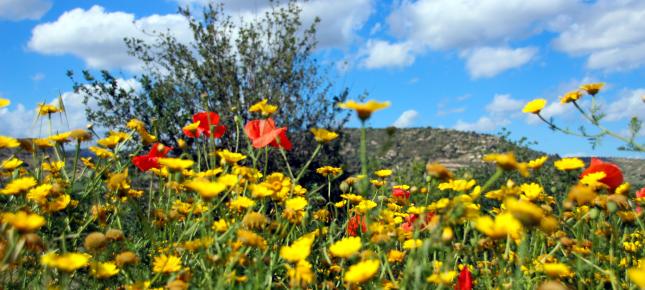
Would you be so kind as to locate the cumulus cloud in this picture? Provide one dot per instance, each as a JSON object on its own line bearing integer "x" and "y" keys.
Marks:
{"x": 478, "y": 30}
{"x": 22, "y": 122}
{"x": 608, "y": 32}
{"x": 482, "y": 124}
{"x": 96, "y": 36}
{"x": 486, "y": 62}
{"x": 504, "y": 104}
{"x": 15, "y": 10}
{"x": 406, "y": 119}
{"x": 499, "y": 112}
{"x": 629, "y": 104}
{"x": 382, "y": 54}
{"x": 445, "y": 24}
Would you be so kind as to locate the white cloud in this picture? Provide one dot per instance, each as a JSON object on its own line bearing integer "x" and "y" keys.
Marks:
{"x": 500, "y": 111}
{"x": 608, "y": 32}
{"x": 96, "y": 36}
{"x": 340, "y": 19}
{"x": 406, "y": 119}
{"x": 382, "y": 54}
{"x": 22, "y": 122}
{"x": 38, "y": 77}
{"x": 447, "y": 24}
{"x": 504, "y": 104}
{"x": 482, "y": 124}
{"x": 23, "y": 9}
{"x": 486, "y": 62}
{"x": 630, "y": 104}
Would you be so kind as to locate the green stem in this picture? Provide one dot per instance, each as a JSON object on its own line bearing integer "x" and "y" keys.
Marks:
{"x": 304, "y": 168}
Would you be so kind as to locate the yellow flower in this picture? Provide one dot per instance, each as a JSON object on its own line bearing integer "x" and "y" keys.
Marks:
{"x": 412, "y": 244}
{"x": 11, "y": 164}
{"x": 24, "y": 222}
{"x": 8, "y": 142}
{"x": 503, "y": 225}
{"x": 593, "y": 180}
{"x": 637, "y": 275}
{"x": 103, "y": 270}
{"x": 354, "y": 198}
{"x": 458, "y": 184}
{"x": 67, "y": 262}
{"x": 329, "y": 170}
{"x": 507, "y": 161}
{"x": 532, "y": 191}
{"x": 241, "y": 203}
{"x": 296, "y": 203}
{"x": 175, "y": 164}
{"x": 526, "y": 212}
{"x": 54, "y": 166}
{"x": 394, "y": 256}
{"x": 364, "y": 110}
{"x": 299, "y": 250}
{"x": 570, "y": 97}
{"x": 443, "y": 278}
{"x": 537, "y": 163}
{"x": 166, "y": 264}
{"x": 39, "y": 193}
{"x": 592, "y": 88}
{"x": 251, "y": 239}
{"x": 346, "y": 247}
{"x": 361, "y": 272}
{"x": 80, "y": 135}
{"x": 205, "y": 188}
{"x": 264, "y": 107}
{"x": 556, "y": 270}
{"x": 192, "y": 127}
{"x": 383, "y": 173}
{"x": 4, "y": 102}
{"x": 101, "y": 152}
{"x": 535, "y": 106}
{"x": 60, "y": 138}
{"x": 60, "y": 203}
{"x": 323, "y": 135}
{"x": 566, "y": 164}
{"x": 624, "y": 188}
{"x": 18, "y": 185}
{"x": 46, "y": 109}
{"x": 365, "y": 205}
{"x": 301, "y": 276}
{"x": 230, "y": 157}
{"x": 220, "y": 225}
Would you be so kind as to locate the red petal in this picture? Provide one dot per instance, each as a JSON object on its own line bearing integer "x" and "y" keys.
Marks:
{"x": 614, "y": 176}
{"x": 465, "y": 279}
{"x": 145, "y": 163}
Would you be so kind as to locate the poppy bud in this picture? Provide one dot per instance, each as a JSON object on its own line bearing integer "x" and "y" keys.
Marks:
{"x": 114, "y": 235}
{"x": 33, "y": 242}
{"x": 344, "y": 187}
{"x": 447, "y": 234}
{"x": 126, "y": 258}
{"x": 95, "y": 241}
{"x": 177, "y": 285}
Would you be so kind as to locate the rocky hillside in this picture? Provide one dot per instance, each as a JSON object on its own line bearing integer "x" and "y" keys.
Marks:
{"x": 455, "y": 149}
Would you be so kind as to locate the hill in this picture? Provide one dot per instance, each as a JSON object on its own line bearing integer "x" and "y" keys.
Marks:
{"x": 455, "y": 149}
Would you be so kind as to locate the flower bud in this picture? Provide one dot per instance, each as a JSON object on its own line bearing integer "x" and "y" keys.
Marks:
{"x": 126, "y": 258}
{"x": 95, "y": 241}
{"x": 114, "y": 235}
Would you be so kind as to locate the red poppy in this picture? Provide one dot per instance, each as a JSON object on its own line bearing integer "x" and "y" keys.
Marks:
{"x": 639, "y": 194}
{"x": 400, "y": 193}
{"x": 208, "y": 123}
{"x": 264, "y": 132}
{"x": 146, "y": 162}
{"x": 465, "y": 279}
{"x": 614, "y": 176}
{"x": 409, "y": 223}
{"x": 355, "y": 223}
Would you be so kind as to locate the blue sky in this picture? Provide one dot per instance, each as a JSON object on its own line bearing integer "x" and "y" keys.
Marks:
{"x": 468, "y": 65}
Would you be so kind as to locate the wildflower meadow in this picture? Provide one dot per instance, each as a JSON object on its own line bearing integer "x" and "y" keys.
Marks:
{"x": 140, "y": 214}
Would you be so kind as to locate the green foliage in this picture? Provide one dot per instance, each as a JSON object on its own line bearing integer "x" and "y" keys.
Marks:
{"x": 227, "y": 67}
